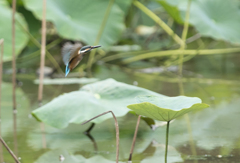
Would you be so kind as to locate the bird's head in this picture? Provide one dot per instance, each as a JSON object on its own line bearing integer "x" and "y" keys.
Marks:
{"x": 86, "y": 49}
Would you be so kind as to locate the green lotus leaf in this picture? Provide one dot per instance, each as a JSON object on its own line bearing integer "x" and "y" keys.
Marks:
{"x": 166, "y": 108}
{"x": 221, "y": 119}
{"x": 21, "y": 38}
{"x": 81, "y": 20}
{"x": 172, "y": 11}
{"x": 89, "y": 101}
{"x": 219, "y": 19}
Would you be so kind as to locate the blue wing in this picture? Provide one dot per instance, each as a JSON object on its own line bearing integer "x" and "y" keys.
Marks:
{"x": 67, "y": 70}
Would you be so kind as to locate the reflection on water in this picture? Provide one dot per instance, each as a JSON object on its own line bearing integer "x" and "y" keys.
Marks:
{"x": 215, "y": 130}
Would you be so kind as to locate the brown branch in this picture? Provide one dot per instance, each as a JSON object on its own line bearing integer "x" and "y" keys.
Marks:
{"x": 13, "y": 54}
{"x": 117, "y": 131}
{"x": 134, "y": 138}
{"x": 1, "y": 70}
{"x": 9, "y": 150}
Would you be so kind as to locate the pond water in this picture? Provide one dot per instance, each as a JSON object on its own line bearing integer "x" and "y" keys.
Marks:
{"x": 208, "y": 136}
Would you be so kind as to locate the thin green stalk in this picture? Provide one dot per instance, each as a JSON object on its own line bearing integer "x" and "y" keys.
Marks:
{"x": 166, "y": 147}
{"x": 159, "y": 21}
{"x": 50, "y": 57}
{"x": 100, "y": 32}
{"x": 180, "y": 52}
{"x": 176, "y": 62}
{"x": 36, "y": 53}
{"x": 182, "y": 47}
{"x": 121, "y": 55}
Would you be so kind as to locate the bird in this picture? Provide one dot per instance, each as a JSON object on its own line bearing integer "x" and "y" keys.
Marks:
{"x": 72, "y": 54}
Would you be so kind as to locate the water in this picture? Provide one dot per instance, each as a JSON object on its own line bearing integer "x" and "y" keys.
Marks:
{"x": 208, "y": 136}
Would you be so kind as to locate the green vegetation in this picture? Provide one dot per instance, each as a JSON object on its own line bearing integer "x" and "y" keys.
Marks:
{"x": 151, "y": 52}
{"x": 166, "y": 109}
{"x": 89, "y": 101}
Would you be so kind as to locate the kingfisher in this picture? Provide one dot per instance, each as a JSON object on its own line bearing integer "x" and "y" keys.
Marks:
{"x": 72, "y": 54}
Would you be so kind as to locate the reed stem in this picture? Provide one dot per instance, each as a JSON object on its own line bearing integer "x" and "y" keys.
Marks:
{"x": 13, "y": 55}
{"x": 179, "y": 52}
{"x": 9, "y": 150}
{"x": 50, "y": 57}
{"x": 1, "y": 71}
{"x": 134, "y": 138}
{"x": 43, "y": 52}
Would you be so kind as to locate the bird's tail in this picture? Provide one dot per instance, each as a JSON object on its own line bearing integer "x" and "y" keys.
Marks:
{"x": 67, "y": 70}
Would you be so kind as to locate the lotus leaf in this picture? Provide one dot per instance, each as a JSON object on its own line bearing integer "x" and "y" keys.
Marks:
{"x": 166, "y": 108}
{"x": 21, "y": 38}
{"x": 89, "y": 101}
{"x": 81, "y": 20}
{"x": 219, "y": 19}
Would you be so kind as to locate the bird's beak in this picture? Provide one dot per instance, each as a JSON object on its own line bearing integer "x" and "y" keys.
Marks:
{"x": 97, "y": 46}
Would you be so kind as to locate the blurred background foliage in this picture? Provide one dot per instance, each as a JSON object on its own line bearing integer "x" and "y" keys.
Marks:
{"x": 129, "y": 30}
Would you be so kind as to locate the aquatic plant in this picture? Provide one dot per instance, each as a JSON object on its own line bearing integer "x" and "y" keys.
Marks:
{"x": 166, "y": 109}
{"x": 90, "y": 100}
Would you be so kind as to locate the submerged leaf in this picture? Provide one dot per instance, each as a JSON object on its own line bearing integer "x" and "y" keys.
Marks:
{"x": 89, "y": 101}
{"x": 166, "y": 108}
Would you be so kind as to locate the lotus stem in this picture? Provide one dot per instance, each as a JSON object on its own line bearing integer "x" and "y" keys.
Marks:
{"x": 1, "y": 67}
{"x": 43, "y": 52}
{"x": 49, "y": 55}
{"x": 134, "y": 138}
{"x": 14, "y": 76}
{"x": 159, "y": 21}
{"x": 13, "y": 55}
{"x": 100, "y": 32}
{"x": 166, "y": 147}
{"x": 179, "y": 52}
{"x": 182, "y": 47}
{"x": 117, "y": 130}
{"x": 89, "y": 129}
{"x": 9, "y": 150}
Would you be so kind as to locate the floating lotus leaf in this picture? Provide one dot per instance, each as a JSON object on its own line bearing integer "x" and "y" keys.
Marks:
{"x": 21, "y": 38}
{"x": 166, "y": 108}
{"x": 89, "y": 101}
{"x": 81, "y": 20}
